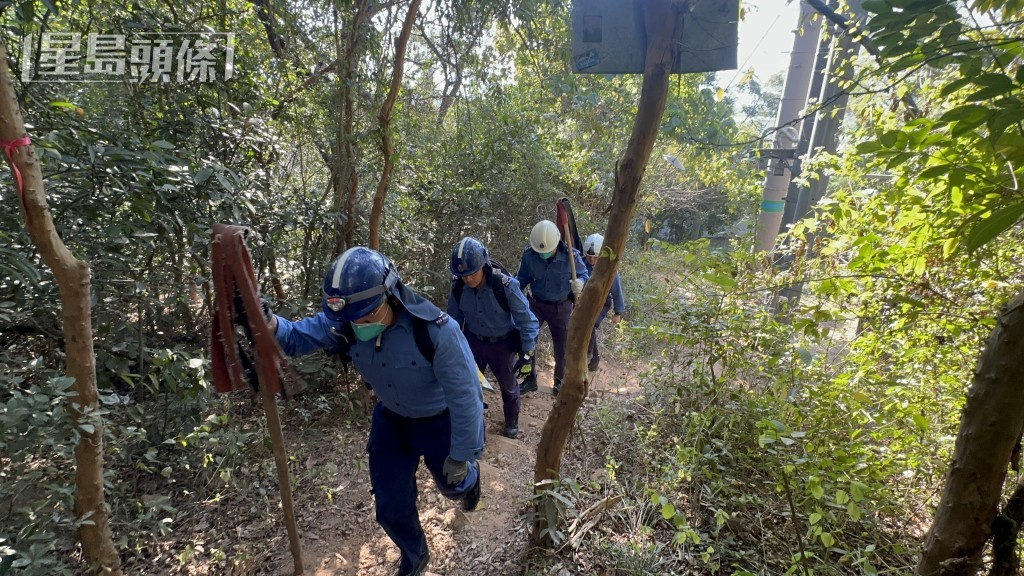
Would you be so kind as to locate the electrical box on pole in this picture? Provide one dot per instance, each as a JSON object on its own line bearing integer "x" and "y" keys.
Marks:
{"x": 608, "y": 36}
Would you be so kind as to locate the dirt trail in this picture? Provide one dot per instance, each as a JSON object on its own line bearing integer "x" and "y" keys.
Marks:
{"x": 340, "y": 536}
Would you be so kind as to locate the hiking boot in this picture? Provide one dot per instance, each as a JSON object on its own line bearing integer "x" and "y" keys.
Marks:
{"x": 557, "y": 388}
{"x": 511, "y": 431}
{"x": 471, "y": 500}
{"x": 420, "y": 569}
{"x": 529, "y": 384}
{"x": 592, "y": 365}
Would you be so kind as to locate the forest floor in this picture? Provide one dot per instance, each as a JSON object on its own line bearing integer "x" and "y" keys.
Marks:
{"x": 243, "y": 533}
{"x": 336, "y": 520}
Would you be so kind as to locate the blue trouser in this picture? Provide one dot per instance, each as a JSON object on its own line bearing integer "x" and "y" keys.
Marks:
{"x": 556, "y": 315}
{"x": 593, "y": 354}
{"x": 499, "y": 356}
{"x": 395, "y": 446}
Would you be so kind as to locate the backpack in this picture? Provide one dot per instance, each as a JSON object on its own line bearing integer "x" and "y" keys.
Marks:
{"x": 494, "y": 274}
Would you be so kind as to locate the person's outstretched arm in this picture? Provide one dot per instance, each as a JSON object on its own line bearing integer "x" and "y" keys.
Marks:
{"x": 456, "y": 371}
{"x": 309, "y": 335}
{"x": 522, "y": 317}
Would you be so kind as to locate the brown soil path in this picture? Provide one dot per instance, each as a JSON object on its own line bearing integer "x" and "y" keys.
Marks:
{"x": 340, "y": 536}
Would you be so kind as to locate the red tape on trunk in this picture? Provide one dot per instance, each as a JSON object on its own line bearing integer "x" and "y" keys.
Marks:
{"x": 9, "y": 147}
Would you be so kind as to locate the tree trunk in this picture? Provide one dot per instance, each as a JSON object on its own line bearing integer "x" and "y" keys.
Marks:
{"x": 992, "y": 422}
{"x": 663, "y": 25}
{"x": 275, "y": 278}
{"x": 387, "y": 147}
{"x": 344, "y": 175}
{"x": 1005, "y": 531}
{"x": 73, "y": 281}
{"x": 266, "y": 17}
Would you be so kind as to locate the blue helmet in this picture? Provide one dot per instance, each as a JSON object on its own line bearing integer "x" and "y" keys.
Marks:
{"x": 356, "y": 284}
{"x": 468, "y": 257}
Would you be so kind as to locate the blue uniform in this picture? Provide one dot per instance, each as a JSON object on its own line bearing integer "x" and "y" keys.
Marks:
{"x": 478, "y": 312}
{"x": 488, "y": 328}
{"x": 615, "y": 299}
{"x": 549, "y": 279}
{"x": 429, "y": 410}
{"x": 550, "y": 296}
{"x": 618, "y": 299}
{"x": 405, "y": 382}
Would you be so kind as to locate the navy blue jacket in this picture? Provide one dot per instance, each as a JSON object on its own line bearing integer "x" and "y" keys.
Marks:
{"x": 403, "y": 379}
{"x": 549, "y": 279}
{"x": 479, "y": 312}
{"x": 617, "y": 297}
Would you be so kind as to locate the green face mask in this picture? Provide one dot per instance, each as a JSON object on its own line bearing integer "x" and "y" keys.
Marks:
{"x": 547, "y": 255}
{"x": 365, "y": 332}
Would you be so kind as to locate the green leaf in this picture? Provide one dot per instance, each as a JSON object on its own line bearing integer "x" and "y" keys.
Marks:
{"x": 668, "y": 511}
{"x": 877, "y": 6}
{"x": 853, "y": 510}
{"x": 986, "y": 93}
{"x": 935, "y": 171}
{"x": 827, "y": 539}
{"x": 721, "y": 280}
{"x": 889, "y": 138}
{"x": 202, "y": 175}
{"x": 954, "y": 86}
{"x": 921, "y": 422}
{"x": 868, "y": 147}
{"x": 1001, "y": 81}
{"x": 814, "y": 518}
{"x": 966, "y": 112}
{"x": 857, "y": 490}
{"x": 898, "y": 160}
{"x": 998, "y": 123}
{"x": 909, "y": 300}
{"x": 994, "y": 225}
{"x": 949, "y": 246}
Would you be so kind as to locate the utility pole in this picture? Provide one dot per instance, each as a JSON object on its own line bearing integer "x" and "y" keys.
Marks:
{"x": 829, "y": 119}
{"x": 794, "y": 98}
{"x": 824, "y": 138}
{"x": 807, "y": 126}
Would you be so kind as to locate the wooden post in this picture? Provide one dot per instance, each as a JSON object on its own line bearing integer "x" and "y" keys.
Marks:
{"x": 572, "y": 257}
{"x": 233, "y": 273}
{"x": 283, "y": 481}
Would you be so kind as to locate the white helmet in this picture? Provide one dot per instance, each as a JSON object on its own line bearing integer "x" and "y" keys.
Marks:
{"x": 592, "y": 245}
{"x": 545, "y": 236}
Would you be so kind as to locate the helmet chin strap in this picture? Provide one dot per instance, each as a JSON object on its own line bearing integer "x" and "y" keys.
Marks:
{"x": 388, "y": 320}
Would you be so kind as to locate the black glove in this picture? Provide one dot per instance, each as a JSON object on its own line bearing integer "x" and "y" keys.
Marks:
{"x": 242, "y": 319}
{"x": 239, "y": 317}
{"x": 523, "y": 366}
{"x": 455, "y": 471}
